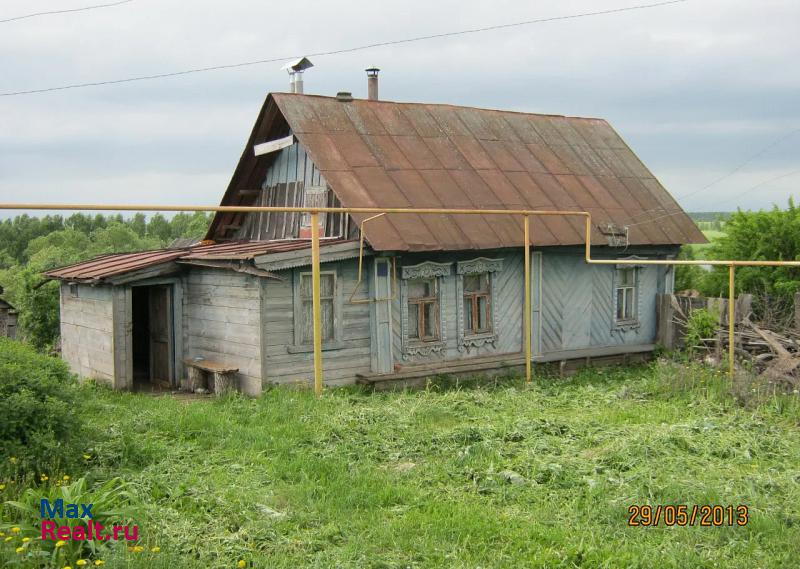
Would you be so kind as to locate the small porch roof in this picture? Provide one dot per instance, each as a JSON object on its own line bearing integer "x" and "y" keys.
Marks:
{"x": 106, "y": 267}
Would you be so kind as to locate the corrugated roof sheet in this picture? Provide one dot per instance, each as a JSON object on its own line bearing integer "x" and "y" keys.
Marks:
{"x": 382, "y": 153}
{"x": 107, "y": 266}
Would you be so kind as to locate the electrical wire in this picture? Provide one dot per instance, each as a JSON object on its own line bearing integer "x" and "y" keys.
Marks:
{"x": 750, "y": 189}
{"x": 769, "y": 146}
{"x": 739, "y": 167}
{"x": 70, "y": 10}
{"x": 345, "y": 50}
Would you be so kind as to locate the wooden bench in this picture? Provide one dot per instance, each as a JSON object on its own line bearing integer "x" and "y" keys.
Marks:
{"x": 222, "y": 377}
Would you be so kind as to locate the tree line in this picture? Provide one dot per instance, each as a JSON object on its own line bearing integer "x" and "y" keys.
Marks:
{"x": 31, "y": 245}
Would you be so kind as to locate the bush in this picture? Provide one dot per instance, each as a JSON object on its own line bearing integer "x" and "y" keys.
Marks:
{"x": 40, "y": 426}
{"x": 758, "y": 235}
{"x": 701, "y": 325}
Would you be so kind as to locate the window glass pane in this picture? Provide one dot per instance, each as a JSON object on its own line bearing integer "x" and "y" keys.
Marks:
{"x": 413, "y": 321}
{"x": 420, "y": 288}
{"x": 629, "y": 303}
{"x": 431, "y": 320}
{"x": 625, "y": 277}
{"x": 620, "y": 304}
{"x": 482, "y": 302}
{"x": 476, "y": 283}
{"x": 468, "y": 314}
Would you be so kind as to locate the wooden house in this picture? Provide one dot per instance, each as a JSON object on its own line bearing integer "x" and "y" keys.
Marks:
{"x": 437, "y": 294}
{"x": 8, "y": 318}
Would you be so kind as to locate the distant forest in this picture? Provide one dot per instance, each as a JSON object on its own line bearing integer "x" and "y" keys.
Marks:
{"x": 31, "y": 245}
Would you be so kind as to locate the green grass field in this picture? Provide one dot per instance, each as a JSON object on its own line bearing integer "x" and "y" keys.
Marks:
{"x": 413, "y": 479}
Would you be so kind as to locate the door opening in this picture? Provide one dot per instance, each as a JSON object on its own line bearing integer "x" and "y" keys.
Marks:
{"x": 153, "y": 347}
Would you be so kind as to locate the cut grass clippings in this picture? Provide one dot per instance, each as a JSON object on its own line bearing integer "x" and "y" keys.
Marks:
{"x": 424, "y": 478}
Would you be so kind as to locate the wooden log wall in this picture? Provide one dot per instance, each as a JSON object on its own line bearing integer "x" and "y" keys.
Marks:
{"x": 87, "y": 331}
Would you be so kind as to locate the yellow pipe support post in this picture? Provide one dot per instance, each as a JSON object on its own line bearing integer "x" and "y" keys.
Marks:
{"x": 527, "y": 309}
{"x": 731, "y": 316}
{"x": 316, "y": 303}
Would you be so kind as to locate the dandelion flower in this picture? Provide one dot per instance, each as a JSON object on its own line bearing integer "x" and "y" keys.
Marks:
{"x": 80, "y": 562}
{"x": 45, "y": 478}
{"x": 137, "y": 549}
{"x": 20, "y": 549}
{"x": 9, "y": 538}
{"x": 15, "y": 529}
{"x": 87, "y": 457}
{"x": 2, "y": 486}
{"x": 60, "y": 543}
{"x": 2, "y": 534}
{"x": 156, "y": 549}
{"x": 242, "y": 564}
{"x": 13, "y": 459}
{"x": 99, "y": 562}
{"x": 67, "y": 567}
{"x": 65, "y": 477}
{"x": 25, "y": 539}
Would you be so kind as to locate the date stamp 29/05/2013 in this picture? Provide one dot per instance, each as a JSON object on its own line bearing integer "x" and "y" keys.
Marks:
{"x": 705, "y": 515}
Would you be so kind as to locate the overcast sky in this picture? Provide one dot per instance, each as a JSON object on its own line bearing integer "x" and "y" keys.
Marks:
{"x": 695, "y": 88}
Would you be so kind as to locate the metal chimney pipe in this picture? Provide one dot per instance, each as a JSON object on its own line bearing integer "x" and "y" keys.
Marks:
{"x": 298, "y": 82}
{"x": 372, "y": 83}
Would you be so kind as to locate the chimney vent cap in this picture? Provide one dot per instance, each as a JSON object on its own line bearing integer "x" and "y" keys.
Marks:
{"x": 298, "y": 65}
{"x": 372, "y": 71}
{"x": 344, "y": 96}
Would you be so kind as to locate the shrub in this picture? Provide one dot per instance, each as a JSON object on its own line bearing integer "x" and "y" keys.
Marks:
{"x": 39, "y": 424}
{"x": 701, "y": 325}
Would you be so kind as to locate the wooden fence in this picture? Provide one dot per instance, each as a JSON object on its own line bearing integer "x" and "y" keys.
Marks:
{"x": 674, "y": 311}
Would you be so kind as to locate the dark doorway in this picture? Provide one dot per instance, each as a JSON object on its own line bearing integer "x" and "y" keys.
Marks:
{"x": 152, "y": 336}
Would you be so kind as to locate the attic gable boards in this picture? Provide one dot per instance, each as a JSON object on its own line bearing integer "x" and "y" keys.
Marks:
{"x": 286, "y": 177}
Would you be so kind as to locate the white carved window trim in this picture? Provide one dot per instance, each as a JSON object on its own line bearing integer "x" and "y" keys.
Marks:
{"x": 426, "y": 270}
{"x": 633, "y": 322}
{"x": 474, "y": 267}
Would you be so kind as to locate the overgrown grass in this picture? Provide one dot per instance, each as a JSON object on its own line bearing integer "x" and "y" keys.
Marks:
{"x": 413, "y": 479}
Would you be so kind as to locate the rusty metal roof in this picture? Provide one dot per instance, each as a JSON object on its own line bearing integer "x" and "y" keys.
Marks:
{"x": 113, "y": 264}
{"x": 107, "y": 266}
{"x": 382, "y": 153}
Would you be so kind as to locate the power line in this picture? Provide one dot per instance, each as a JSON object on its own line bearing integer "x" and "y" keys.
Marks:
{"x": 763, "y": 150}
{"x": 50, "y": 13}
{"x": 764, "y": 183}
{"x": 750, "y": 189}
{"x": 344, "y": 50}
{"x": 739, "y": 167}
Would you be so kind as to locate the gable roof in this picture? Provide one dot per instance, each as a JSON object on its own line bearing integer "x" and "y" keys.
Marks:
{"x": 388, "y": 154}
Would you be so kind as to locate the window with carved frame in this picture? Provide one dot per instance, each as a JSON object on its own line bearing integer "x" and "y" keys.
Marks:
{"x": 423, "y": 310}
{"x": 477, "y": 303}
{"x": 626, "y": 294}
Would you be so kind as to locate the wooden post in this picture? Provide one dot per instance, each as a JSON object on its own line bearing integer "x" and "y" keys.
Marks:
{"x": 197, "y": 378}
{"x": 223, "y": 383}
{"x": 797, "y": 310}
